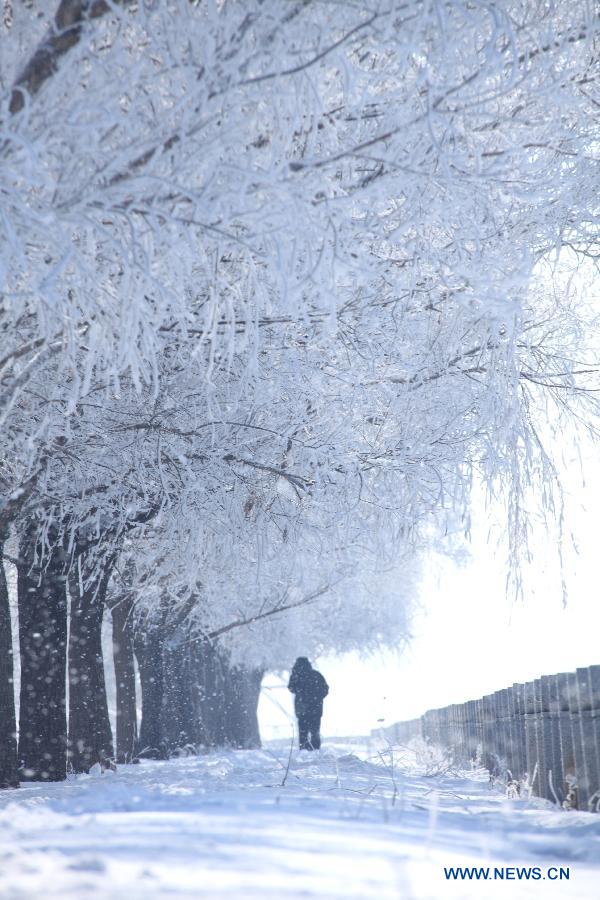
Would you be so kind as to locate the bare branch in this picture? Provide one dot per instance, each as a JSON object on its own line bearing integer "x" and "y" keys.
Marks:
{"x": 249, "y": 620}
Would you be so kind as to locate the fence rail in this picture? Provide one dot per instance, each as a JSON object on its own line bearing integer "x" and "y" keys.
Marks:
{"x": 544, "y": 734}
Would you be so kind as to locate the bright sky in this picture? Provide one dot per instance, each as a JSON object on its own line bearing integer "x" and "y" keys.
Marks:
{"x": 470, "y": 638}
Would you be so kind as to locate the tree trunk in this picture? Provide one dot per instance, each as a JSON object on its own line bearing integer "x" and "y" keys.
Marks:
{"x": 211, "y": 695}
{"x": 42, "y": 600}
{"x": 90, "y": 735}
{"x": 177, "y": 726}
{"x": 122, "y": 635}
{"x": 148, "y": 643}
{"x": 8, "y": 727}
{"x": 241, "y": 708}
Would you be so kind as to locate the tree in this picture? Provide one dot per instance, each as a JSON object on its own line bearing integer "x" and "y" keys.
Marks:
{"x": 8, "y": 732}
{"x": 256, "y": 316}
{"x": 126, "y": 737}
{"x": 43, "y": 649}
{"x": 90, "y": 736}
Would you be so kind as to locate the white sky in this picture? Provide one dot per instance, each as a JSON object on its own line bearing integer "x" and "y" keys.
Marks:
{"x": 470, "y": 637}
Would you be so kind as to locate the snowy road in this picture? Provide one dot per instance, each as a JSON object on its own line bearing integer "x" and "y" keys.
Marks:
{"x": 223, "y": 826}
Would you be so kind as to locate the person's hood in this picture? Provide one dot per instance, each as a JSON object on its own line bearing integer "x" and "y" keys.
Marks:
{"x": 302, "y": 663}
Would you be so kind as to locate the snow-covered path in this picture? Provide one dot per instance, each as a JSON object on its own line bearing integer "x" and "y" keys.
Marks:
{"x": 223, "y": 826}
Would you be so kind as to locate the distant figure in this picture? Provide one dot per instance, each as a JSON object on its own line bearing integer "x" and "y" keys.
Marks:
{"x": 309, "y": 688}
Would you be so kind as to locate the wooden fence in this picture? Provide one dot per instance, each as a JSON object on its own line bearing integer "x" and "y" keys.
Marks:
{"x": 544, "y": 734}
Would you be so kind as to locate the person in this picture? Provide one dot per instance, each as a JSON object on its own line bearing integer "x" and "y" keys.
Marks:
{"x": 309, "y": 689}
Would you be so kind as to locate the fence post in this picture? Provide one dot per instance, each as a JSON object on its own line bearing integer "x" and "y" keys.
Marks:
{"x": 550, "y": 744}
{"x": 449, "y": 731}
{"x": 479, "y": 728}
{"x": 471, "y": 729}
{"x": 539, "y": 731}
{"x": 508, "y": 732}
{"x": 455, "y": 714}
{"x": 499, "y": 736}
{"x": 511, "y": 742}
{"x": 567, "y": 747}
{"x": 462, "y": 727}
{"x": 519, "y": 731}
{"x": 555, "y": 759}
{"x": 577, "y": 733}
{"x": 460, "y": 735}
{"x": 487, "y": 729}
{"x": 466, "y": 714}
{"x": 435, "y": 726}
{"x": 448, "y": 735}
{"x": 531, "y": 747}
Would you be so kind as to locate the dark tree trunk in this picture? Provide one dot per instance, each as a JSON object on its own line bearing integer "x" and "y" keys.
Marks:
{"x": 42, "y": 600}
{"x": 178, "y": 724}
{"x": 148, "y": 643}
{"x": 179, "y": 718}
{"x": 8, "y": 727}
{"x": 122, "y": 635}
{"x": 241, "y": 707}
{"x": 90, "y": 735}
{"x": 211, "y": 695}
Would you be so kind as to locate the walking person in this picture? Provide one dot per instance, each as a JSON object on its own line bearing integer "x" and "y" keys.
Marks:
{"x": 309, "y": 689}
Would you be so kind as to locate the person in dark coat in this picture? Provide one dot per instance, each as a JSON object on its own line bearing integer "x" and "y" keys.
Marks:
{"x": 309, "y": 689}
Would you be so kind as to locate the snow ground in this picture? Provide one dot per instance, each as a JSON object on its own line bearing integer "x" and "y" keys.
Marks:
{"x": 223, "y": 826}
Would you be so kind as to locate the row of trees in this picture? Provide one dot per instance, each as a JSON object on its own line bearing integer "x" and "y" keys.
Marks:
{"x": 270, "y": 300}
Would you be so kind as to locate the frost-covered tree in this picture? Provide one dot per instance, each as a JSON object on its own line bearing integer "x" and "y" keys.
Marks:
{"x": 220, "y": 164}
{"x": 265, "y": 291}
